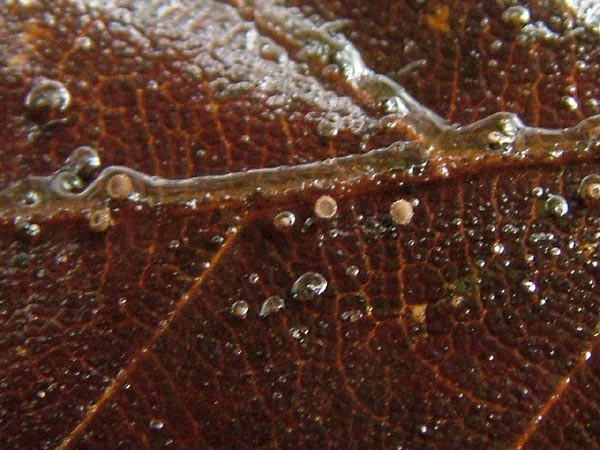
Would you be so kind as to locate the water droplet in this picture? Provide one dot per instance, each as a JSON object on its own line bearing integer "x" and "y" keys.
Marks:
{"x": 240, "y": 309}
{"x": 325, "y": 207}
{"x": 84, "y": 43}
{"x": 529, "y": 286}
{"x": 31, "y": 198}
{"x": 284, "y": 220}
{"x": 253, "y": 278}
{"x": 68, "y": 182}
{"x": 271, "y": 305}
{"x": 120, "y": 186}
{"x": 47, "y": 94}
{"x": 309, "y": 286}
{"x": 156, "y": 424}
{"x": 570, "y": 102}
{"x": 352, "y": 271}
{"x": 556, "y": 205}
{"x": 498, "y": 248}
{"x": 401, "y": 211}
{"x": 589, "y": 189}
{"x": 537, "y": 191}
{"x": 83, "y": 161}
{"x": 29, "y": 229}
{"x": 175, "y": 243}
{"x": 100, "y": 219}
{"x": 516, "y": 15}
{"x": 41, "y": 394}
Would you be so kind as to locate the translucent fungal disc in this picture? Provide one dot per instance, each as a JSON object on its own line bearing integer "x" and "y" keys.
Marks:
{"x": 309, "y": 286}
{"x": 119, "y": 186}
{"x": 284, "y": 220}
{"x": 556, "y": 205}
{"x": 240, "y": 309}
{"x": 271, "y": 305}
{"x": 401, "y": 211}
{"x": 589, "y": 189}
{"x": 325, "y": 207}
{"x": 101, "y": 219}
{"x": 47, "y": 94}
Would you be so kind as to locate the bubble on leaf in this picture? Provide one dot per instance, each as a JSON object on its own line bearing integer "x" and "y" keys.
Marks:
{"x": 100, "y": 219}
{"x": 284, "y": 220}
{"x": 46, "y": 94}
{"x": 589, "y": 189}
{"x": 83, "y": 160}
{"x": 31, "y": 198}
{"x": 271, "y": 305}
{"x": 556, "y": 205}
{"x": 156, "y": 424}
{"x": 68, "y": 182}
{"x": 309, "y": 286}
{"x": 352, "y": 271}
{"x": 120, "y": 186}
{"x": 240, "y": 308}
{"x": 325, "y": 207}
{"x": 28, "y": 228}
{"x": 516, "y": 15}
{"x": 401, "y": 211}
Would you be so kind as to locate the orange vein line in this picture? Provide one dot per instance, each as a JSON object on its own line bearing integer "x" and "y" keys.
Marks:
{"x": 557, "y": 395}
{"x": 69, "y": 440}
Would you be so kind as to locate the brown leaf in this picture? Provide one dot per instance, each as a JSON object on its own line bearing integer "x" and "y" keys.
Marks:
{"x": 223, "y": 310}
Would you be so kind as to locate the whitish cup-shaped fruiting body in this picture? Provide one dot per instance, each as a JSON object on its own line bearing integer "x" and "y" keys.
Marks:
{"x": 401, "y": 211}
{"x": 325, "y": 207}
{"x": 119, "y": 186}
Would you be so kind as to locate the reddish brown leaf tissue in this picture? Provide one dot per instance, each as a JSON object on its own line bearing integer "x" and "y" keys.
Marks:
{"x": 225, "y": 312}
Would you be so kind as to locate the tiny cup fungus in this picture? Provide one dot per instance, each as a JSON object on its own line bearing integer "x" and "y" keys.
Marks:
{"x": 401, "y": 211}
{"x": 325, "y": 207}
{"x": 120, "y": 186}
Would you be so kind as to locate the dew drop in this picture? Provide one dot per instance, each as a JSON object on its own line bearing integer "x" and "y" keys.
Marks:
{"x": 529, "y": 286}
{"x": 31, "y": 198}
{"x": 309, "y": 286}
{"x": 556, "y": 205}
{"x": 352, "y": 271}
{"x": 271, "y": 305}
{"x": 401, "y": 211}
{"x": 253, "y": 278}
{"x": 46, "y": 94}
{"x": 284, "y": 220}
{"x": 570, "y": 102}
{"x": 100, "y": 219}
{"x": 516, "y": 15}
{"x": 498, "y": 248}
{"x": 156, "y": 424}
{"x": 69, "y": 182}
{"x": 84, "y": 43}
{"x": 240, "y": 309}
{"x": 120, "y": 186}
{"x": 589, "y": 189}
{"x": 325, "y": 207}
{"x": 83, "y": 160}
{"x": 29, "y": 229}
